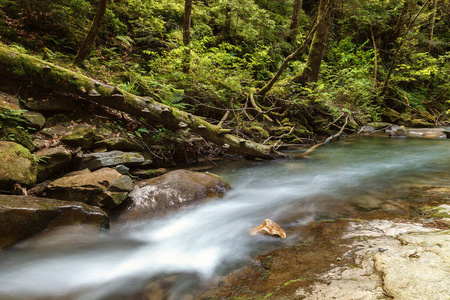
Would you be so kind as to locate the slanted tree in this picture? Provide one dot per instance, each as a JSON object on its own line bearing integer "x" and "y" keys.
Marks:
{"x": 318, "y": 45}
{"x": 92, "y": 34}
{"x": 295, "y": 20}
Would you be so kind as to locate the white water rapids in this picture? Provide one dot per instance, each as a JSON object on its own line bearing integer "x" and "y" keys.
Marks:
{"x": 205, "y": 238}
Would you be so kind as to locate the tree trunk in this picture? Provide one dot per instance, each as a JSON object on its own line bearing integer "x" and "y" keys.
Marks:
{"x": 92, "y": 34}
{"x": 227, "y": 24}
{"x": 318, "y": 45}
{"x": 295, "y": 20}
{"x": 433, "y": 22}
{"x": 26, "y": 68}
{"x": 187, "y": 34}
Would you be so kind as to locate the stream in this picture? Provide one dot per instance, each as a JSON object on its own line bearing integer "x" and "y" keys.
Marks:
{"x": 212, "y": 238}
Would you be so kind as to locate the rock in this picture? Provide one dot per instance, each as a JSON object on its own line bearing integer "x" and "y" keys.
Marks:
{"x": 176, "y": 188}
{"x": 22, "y": 217}
{"x": 8, "y": 102}
{"x": 427, "y": 133}
{"x": 397, "y": 131}
{"x": 79, "y": 136}
{"x": 95, "y": 161}
{"x": 106, "y": 187}
{"x": 19, "y": 136}
{"x": 35, "y": 120}
{"x": 269, "y": 227}
{"x": 50, "y": 104}
{"x": 51, "y": 161}
{"x": 119, "y": 143}
{"x": 17, "y": 166}
{"x": 419, "y": 268}
{"x": 150, "y": 173}
{"x": 421, "y": 123}
{"x": 122, "y": 169}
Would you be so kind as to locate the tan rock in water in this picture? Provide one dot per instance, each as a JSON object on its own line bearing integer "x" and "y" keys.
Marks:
{"x": 269, "y": 227}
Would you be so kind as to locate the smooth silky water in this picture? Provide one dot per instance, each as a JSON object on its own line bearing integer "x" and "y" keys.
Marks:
{"x": 208, "y": 238}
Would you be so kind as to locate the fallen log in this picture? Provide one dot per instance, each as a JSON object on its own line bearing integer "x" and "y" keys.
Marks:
{"x": 24, "y": 67}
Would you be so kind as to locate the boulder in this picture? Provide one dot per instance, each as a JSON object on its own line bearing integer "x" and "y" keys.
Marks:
{"x": 269, "y": 227}
{"x": 176, "y": 188}
{"x": 18, "y": 165}
{"x": 51, "y": 161}
{"x": 79, "y": 136}
{"x": 106, "y": 187}
{"x": 99, "y": 160}
{"x": 397, "y": 131}
{"x": 22, "y": 217}
{"x": 34, "y": 119}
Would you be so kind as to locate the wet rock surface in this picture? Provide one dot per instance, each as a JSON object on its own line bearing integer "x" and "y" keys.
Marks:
{"x": 172, "y": 190}
{"x": 22, "y": 217}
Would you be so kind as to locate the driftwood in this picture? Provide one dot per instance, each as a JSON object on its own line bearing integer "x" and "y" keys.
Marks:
{"x": 27, "y": 68}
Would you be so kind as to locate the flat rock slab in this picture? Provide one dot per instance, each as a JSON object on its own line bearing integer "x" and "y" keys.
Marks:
{"x": 93, "y": 161}
{"x": 440, "y": 133}
{"x": 392, "y": 260}
{"x": 22, "y": 216}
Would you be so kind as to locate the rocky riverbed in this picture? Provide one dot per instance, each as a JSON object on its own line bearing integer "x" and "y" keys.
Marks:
{"x": 396, "y": 251}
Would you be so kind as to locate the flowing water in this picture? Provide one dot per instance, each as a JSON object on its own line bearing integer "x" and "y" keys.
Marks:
{"x": 208, "y": 238}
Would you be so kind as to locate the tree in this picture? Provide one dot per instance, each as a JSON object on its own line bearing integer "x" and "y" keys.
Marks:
{"x": 318, "y": 45}
{"x": 92, "y": 34}
{"x": 295, "y": 20}
{"x": 187, "y": 34}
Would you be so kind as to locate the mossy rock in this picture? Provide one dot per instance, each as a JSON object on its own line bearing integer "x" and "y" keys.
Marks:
{"x": 18, "y": 166}
{"x": 51, "y": 161}
{"x": 20, "y": 136}
{"x": 34, "y": 119}
{"x": 80, "y": 136}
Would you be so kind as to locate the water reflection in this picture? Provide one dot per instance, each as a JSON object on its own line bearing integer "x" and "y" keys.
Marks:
{"x": 84, "y": 265}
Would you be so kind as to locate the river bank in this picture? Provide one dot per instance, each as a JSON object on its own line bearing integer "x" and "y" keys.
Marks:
{"x": 398, "y": 250}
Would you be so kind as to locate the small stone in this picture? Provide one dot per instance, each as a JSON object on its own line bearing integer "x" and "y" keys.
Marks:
{"x": 269, "y": 227}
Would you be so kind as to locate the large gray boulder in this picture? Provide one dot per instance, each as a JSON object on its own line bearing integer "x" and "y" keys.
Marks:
{"x": 22, "y": 217}
{"x": 17, "y": 166}
{"x": 106, "y": 187}
{"x": 93, "y": 161}
{"x": 174, "y": 189}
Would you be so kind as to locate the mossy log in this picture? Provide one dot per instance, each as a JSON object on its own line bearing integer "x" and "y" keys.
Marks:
{"x": 28, "y": 68}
